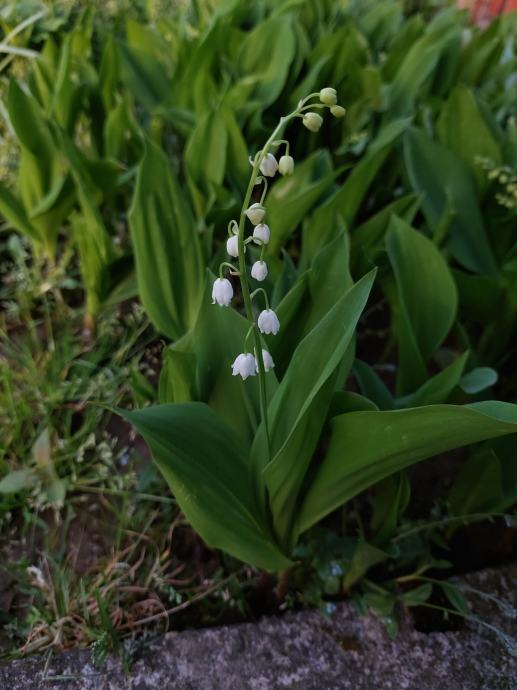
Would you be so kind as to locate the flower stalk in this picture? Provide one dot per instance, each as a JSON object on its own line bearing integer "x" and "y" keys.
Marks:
{"x": 264, "y": 165}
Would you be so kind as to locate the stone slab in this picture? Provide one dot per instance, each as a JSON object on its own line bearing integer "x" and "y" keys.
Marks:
{"x": 301, "y": 651}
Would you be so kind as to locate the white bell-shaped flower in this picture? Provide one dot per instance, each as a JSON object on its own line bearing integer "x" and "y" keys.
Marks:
{"x": 268, "y": 165}
{"x": 222, "y": 292}
{"x": 259, "y": 270}
{"x": 261, "y": 233}
{"x": 256, "y": 213}
{"x": 244, "y": 365}
{"x": 232, "y": 246}
{"x": 268, "y": 322}
{"x": 286, "y": 165}
{"x": 268, "y": 361}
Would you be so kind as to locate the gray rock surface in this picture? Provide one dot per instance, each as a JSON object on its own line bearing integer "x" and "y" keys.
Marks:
{"x": 303, "y": 651}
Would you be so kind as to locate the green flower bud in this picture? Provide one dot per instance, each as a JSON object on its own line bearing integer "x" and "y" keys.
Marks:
{"x": 312, "y": 121}
{"x": 338, "y": 111}
{"x": 328, "y": 96}
{"x": 286, "y": 165}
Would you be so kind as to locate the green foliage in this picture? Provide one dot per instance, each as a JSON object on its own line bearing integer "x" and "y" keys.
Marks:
{"x": 128, "y": 132}
{"x": 167, "y": 247}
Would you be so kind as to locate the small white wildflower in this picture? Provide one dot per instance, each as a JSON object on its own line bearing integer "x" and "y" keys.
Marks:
{"x": 286, "y": 165}
{"x": 259, "y": 270}
{"x": 222, "y": 292}
{"x": 256, "y": 213}
{"x": 232, "y": 246}
{"x": 312, "y": 121}
{"x": 261, "y": 234}
{"x": 268, "y": 361}
{"x": 244, "y": 365}
{"x": 328, "y": 96}
{"x": 268, "y": 322}
{"x": 37, "y": 578}
{"x": 338, "y": 111}
{"x": 268, "y": 165}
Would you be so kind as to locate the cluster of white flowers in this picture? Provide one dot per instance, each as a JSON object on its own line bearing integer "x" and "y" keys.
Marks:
{"x": 246, "y": 363}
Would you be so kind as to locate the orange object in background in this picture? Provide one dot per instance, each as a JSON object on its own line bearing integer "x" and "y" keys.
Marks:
{"x": 483, "y": 11}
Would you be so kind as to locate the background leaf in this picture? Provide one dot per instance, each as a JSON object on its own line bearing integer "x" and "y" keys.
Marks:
{"x": 205, "y": 465}
{"x": 167, "y": 247}
{"x": 365, "y": 447}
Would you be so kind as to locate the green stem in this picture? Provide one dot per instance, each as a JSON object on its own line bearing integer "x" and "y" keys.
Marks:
{"x": 243, "y": 276}
{"x": 255, "y": 292}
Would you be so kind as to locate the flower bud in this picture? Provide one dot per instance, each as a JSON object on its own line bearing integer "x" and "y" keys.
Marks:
{"x": 256, "y": 213}
{"x": 286, "y": 165}
{"x": 244, "y": 365}
{"x": 222, "y": 292}
{"x": 338, "y": 111}
{"x": 232, "y": 246}
{"x": 259, "y": 270}
{"x": 312, "y": 121}
{"x": 268, "y": 362}
{"x": 268, "y": 165}
{"x": 268, "y": 322}
{"x": 328, "y": 96}
{"x": 261, "y": 234}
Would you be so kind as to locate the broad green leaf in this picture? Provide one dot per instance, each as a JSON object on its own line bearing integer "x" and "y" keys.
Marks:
{"x": 109, "y": 73}
{"x": 365, "y": 447}
{"x": 267, "y": 53}
{"x": 463, "y": 130}
{"x": 238, "y": 168}
{"x": 505, "y": 449}
{"x": 441, "y": 178}
{"x": 367, "y": 240}
{"x": 167, "y": 247}
{"x": 480, "y": 296}
{"x": 481, "y": 53}
{"x": 426, "y": 300}
{"x": 391, "y": 499}
{"x": 344, "y": 204}
{"x": 145, "y": 67}
{"x": 95, "y": 245}
{"x": 291, "y": 412}
{"x": 381, "y": 22}
{"x": 45, "y": 189}
{"x": 292, "y": 197}
{"x": 478, "y": 488}
{"x": 205, "y": 153}
{"x": 419, "y": 64}
{"x": 14, "y": 213}
{"x": 418, "y": 595}
{"x": 178, "y": 376}
{"x": 347, "y": 401}
{"x": 365, "y": 556}
{"x": 17, "y": 480}
{"x": 437, "y": 389}
{"x": 372, "y": 386}
{"x": 456, "y": 597}
{"x": 479, "y": 379}
{"x": 411, "y": 31}
{"x": 205, "y": 465}
{"x": 311, "y": 297}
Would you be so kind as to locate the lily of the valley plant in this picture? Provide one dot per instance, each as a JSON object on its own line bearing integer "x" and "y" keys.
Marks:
{"x": 250, "y": 393}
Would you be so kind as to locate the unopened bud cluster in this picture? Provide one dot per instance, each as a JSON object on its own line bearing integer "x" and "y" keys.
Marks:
{"x": 328, "y": 97}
